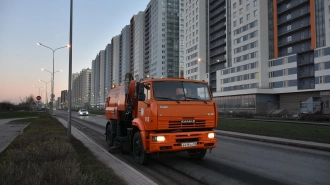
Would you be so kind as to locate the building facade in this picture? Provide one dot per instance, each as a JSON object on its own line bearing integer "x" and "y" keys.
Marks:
{"x": 162, "y": 39}
{"x": 275, "y": 55}
{"x": 196, "y": 39}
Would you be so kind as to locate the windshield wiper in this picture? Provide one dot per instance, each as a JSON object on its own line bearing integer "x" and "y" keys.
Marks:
{"x": 193, "y": 98}
{"x": 166, "y": 98}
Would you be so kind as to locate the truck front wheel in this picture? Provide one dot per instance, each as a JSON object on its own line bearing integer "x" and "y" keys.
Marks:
{"x": 110, "y": 135}
{"x": 197, "y": 154}
{"x": 139, "y": 154}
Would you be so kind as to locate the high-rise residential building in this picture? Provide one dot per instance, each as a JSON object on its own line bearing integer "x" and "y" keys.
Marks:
{"x": 162, "y": 39}
{"x": 124, "y": 53}
{"x": 115, "y": 60}
{"x": 219, "y": 35}
{"x": 102, "y": 91}
{"x": 137, "y": 38}
{"x": 196, "y": 39}
{"x": 64, "y": 99}
{"x": 81, "y": 89}
{"x": 108, "y": 68}
{"x": 268, "y": 56}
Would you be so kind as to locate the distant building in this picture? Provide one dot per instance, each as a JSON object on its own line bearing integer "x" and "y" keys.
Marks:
{"x": 64, "y": 99}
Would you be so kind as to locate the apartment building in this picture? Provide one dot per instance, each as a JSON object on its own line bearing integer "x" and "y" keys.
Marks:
{"x": 108, "y": 69}
{"x": 276, "y": 57}
{"x": 162, "y": 39}
{"x": 124, "y": 53}
{"x": 137, "y": 38}
{"x": 64, "y": 99}
{"x": 196, "y": 39}
{"x": 81, "y": 89}
{"x": 115, "y": 60}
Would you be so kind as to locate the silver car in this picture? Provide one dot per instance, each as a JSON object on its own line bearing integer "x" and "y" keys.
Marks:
{"x": 82, "y": 112}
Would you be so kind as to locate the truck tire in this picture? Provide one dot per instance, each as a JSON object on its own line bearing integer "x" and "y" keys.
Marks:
{"x": 140, "y": 156}
{"x": 110, "y": 135}
{"x": 197, "y": 154}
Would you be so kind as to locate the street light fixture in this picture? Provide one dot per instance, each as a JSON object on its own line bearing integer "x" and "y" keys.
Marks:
{"x": 52, "y": 95}
{"x": 46, "y": 90}
{"x": 208, "y": 67}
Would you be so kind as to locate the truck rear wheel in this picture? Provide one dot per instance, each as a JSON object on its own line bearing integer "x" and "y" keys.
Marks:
{"x": 197, "y": 154}
{"x": 139, "y": 154}
{"x": 110, "y": 135}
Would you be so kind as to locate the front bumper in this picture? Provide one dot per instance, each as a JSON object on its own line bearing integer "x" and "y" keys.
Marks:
{"x": 173, "y": 141}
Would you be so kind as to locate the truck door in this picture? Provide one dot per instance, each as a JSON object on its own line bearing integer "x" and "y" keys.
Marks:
{"x": 145, "y": 111}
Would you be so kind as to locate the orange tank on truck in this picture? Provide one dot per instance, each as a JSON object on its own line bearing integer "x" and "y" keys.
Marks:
{"x": 155, "y": 116}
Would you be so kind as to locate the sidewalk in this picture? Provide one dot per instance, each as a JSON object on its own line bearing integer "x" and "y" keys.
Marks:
{"x": 129, "y": 174}
{"x": 291, "y": 142}
{"x": 8, "y": 132}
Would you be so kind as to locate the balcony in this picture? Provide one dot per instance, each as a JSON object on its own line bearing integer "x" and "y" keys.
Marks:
{"x": 306, "y": 74}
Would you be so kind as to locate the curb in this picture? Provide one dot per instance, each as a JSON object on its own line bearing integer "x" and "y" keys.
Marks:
{"x": 126, "y": 172}
{"x": 290, "y": 142}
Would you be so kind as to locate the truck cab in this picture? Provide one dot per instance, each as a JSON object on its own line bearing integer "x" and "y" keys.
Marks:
{"x": 165, "y": 115}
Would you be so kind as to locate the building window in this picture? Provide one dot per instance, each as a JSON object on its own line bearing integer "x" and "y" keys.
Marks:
{"x": 289, "y": 49}
{"x": 301, "y": 11}
{"x": 234, "y": 14}
{"x": 248, "y": 17}
{"x": 302, "y": 35}
{"x": 248, "y": 7}
{"x": 288, "y": 16}
{"x": 302, "y": 47}
{"x": 288, "y": 5}
{"x": 240, "y": 2}
{"x": 255, "y": 3}
{"x": 240, "y": 11}
{"x": 234, "y": 5}
{"x": 321, "y": 79}
{"x": 241, "y": 20}
{"x": 289, "y": 38}
{"x": 302, "y": 23}
{"x": 288, "y": 27}
{"x": 255, "y": 13}
{"x": 235, "y": 23}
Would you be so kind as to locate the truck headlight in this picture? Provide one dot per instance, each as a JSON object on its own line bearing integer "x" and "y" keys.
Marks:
{"x": 158, "y": 138}
{"x": 210, "y": 135}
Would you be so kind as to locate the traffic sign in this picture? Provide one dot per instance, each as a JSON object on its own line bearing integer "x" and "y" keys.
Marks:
{"x": 38, "y": 98}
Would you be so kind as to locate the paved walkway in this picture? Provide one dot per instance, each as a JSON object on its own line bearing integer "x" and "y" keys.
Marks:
{"x": 8, "y": 132}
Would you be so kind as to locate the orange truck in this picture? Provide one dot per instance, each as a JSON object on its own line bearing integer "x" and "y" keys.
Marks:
{"x": 161, "y": 115}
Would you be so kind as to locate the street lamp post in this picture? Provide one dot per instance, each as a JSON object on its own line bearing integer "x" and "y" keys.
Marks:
{"x": 208, "y": 68}
{"x": 52, "y": 96}
{"x": 46, "y": 90}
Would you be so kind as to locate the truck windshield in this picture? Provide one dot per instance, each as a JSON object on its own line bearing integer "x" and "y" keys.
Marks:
{"x": 182, "y": 91}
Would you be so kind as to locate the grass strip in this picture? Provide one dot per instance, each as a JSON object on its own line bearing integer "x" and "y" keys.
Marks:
{"x": 44, "y": 155}
{"x": 7, "y": 115}
{"x": 316, "y": 133}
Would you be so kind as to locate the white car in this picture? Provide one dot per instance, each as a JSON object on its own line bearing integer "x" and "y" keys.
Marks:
{"x": 82, "y": 112}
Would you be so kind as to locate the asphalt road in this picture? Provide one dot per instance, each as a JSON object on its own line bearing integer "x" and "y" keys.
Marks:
{"x": 234, "y": 161}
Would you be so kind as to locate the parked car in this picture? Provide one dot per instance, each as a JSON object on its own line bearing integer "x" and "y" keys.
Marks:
{"x": 82, "y": 112}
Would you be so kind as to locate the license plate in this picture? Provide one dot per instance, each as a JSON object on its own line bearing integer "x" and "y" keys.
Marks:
{"x": 189, "y": 144}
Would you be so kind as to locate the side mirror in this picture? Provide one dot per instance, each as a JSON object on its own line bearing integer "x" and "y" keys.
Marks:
{"x": 140, "y": 92}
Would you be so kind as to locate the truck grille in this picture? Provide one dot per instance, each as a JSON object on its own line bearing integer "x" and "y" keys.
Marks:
{"x": 179, "y": 124}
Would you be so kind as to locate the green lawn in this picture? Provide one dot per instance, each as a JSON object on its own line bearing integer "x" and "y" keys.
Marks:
{"x": 42, "y": 154}
{"x": 316, "y": 133}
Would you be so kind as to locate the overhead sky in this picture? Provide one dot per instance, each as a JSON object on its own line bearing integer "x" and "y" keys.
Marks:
{"x": 23, "y": 23}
